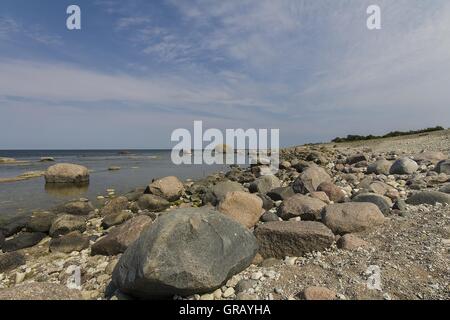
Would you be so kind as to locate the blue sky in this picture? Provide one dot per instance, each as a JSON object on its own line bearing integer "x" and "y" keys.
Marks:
{"x": 140, "y": 69}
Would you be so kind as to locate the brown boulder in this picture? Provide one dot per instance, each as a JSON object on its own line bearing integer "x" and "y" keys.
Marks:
{"x": 242, "y": 207}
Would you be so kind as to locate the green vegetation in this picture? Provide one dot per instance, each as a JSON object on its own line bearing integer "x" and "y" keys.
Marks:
{"x": 388, "y": 135}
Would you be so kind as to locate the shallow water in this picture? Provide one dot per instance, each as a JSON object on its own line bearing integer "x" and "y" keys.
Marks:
{"x": 137, "y": 169}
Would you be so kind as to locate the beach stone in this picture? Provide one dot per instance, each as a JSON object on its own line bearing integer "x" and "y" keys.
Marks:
{"x": 240, "y": 176}
{"x": 351, "y": 242}
{"x": 153, "y": 203}
{"x": 264, "y": 184}
{"x": 10, "y": 261}
{"x": 319, "y": 293}
{"x": 245, "y": 285}
{"x": 356, "y": 158}
{"x": 121, "y": 237}
{"x": 281, "y": 193}
{"x": 189, "y": 251}
{"x": 305, "y": 207}
{"x": 40, "y": 291}
{"x": 269, "y": 216}
{"x": 404, "y": 166}
{"x": 67, "y": 223}
{"x": 292, "y": 238}
{"x": 443, "y": 167}
{"x": 351, "y": 217}
{"x": 41, "y": 221}
{"x": 267, "y": 202}
{"x": 310, "y": 179}
{"x": 381, "y": 166}
{"x": 115, "y": 219}
{"x": 115, "y": 205}
{"x": 73, "y": 241}
{"x": 135, "y": 194}
{"x": 77, "y": 208}
{"x": 378, "y": 187}
{"x": 428, "y": 197}
{"x": 11, "y": 228}
{"x": 382, "y": 202}
{"x": 217, "y": 192}
{"x": 67, "y": 173}
{"x": 445, "y": 188}
{"x": 430, "y": 156}
{"x": 320, "y": 195}
{"x": 242, "y": 207}
{"x": 22, "y": 241}
{"x": 333, "y": 192}
{"x": 169, "y": 188}
{"x": 285, "y": 165}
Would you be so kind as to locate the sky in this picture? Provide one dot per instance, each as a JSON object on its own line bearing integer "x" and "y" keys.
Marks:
{"x": 137, "y": 70}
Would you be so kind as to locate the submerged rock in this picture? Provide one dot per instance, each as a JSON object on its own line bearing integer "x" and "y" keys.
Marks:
{"x": 67, "y": 173}
{"x": 188, "y": 251}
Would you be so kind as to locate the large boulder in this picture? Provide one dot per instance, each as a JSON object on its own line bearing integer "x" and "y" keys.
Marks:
{"x": 67, "y": 173}
{"x": 443, "y": 167}
{"x": 242, "y": 207}
{"x": 333, "y": 192}
{"x": 121, "y": 237}
{"x": 428, "y": 197}
{"x": 12, "y": 227}
{"x": 115, "y": 219}
{"x": 281, "y": 193}
{"x": 292, "y": 238}
{"x": 404, "y": 166}
{"x": 70, "y": 242}
{"x": 305, "y": 207}
{"x": 77, "y": 208}
{"x": 310, "y": 179}
{"x": 169, "y": 188}
{"x": 40, "y": 291}
{"x": 445, "y": 188}
{"x": 114, "y": 206}
{"x": 67, "y": 223}
{"x": 352, "y": 217}
{"x": 185, "y": 252}
{"x": 23, "y": 240}
{"x": 381, "y": 166}
{"x": 153, "y": 203}
{"x": 382, "y": 202}
{"x": 264, "y": 184}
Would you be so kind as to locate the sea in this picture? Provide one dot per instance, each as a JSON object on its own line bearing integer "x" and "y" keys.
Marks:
{"x": 137, "y": 169}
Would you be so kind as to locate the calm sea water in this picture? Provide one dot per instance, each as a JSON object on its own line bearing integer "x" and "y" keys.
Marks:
{"x": 137, "y": 169}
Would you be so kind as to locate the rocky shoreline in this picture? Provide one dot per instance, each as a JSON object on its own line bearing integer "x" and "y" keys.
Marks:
{"x": 336, "y": 222}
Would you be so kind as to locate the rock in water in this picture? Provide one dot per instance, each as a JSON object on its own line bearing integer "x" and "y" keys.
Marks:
{"x": 292, "y": 238}
{"x": 310, "y": 179}
{"x": 404, "y": 166}
{"x": 352, "y": 217}
{"x": 305, "y": 207}
{"x": 428, "y": 197}
{"x": 169, "y": 188}
{"x": 382, "y": 202}
{"x": 443, "y": 167}
{"x": 185, "y": 252}
{"x": 118, "y": 240}
{"x": 40, "y": 291}
{"x": 242, "y": 207}
{"x": 67, "y": 173}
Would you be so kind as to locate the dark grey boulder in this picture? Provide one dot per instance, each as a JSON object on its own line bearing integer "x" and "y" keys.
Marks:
{"x": 22, "y": 241}
{"x": 2, "y": 240}
{"x": 281, "y": 193}
{"x": 269, "y": 216}
{"x": 153, "y": 202}
{"x": 67, "y": 223}
{"x": 267, "y": 202}
{"x": 428, "y": 197}
{"x": 265, "y": 184}
{"x": 445, "y": 188}
{"x": 356, "y": 158}
{"x": 70, "y": 242}
{"x": 184, "y": 252}
{"x": 382, "y": 202}
{"x": 115, "y": 219}
{"x": 443, "y": 167}
{"x": 77, "y": 208}
{"x": 41, "y": 221}
{"x": 404, "y": 166}
{"x": 11, "y": 228}
{"x": 10, "y": 261}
